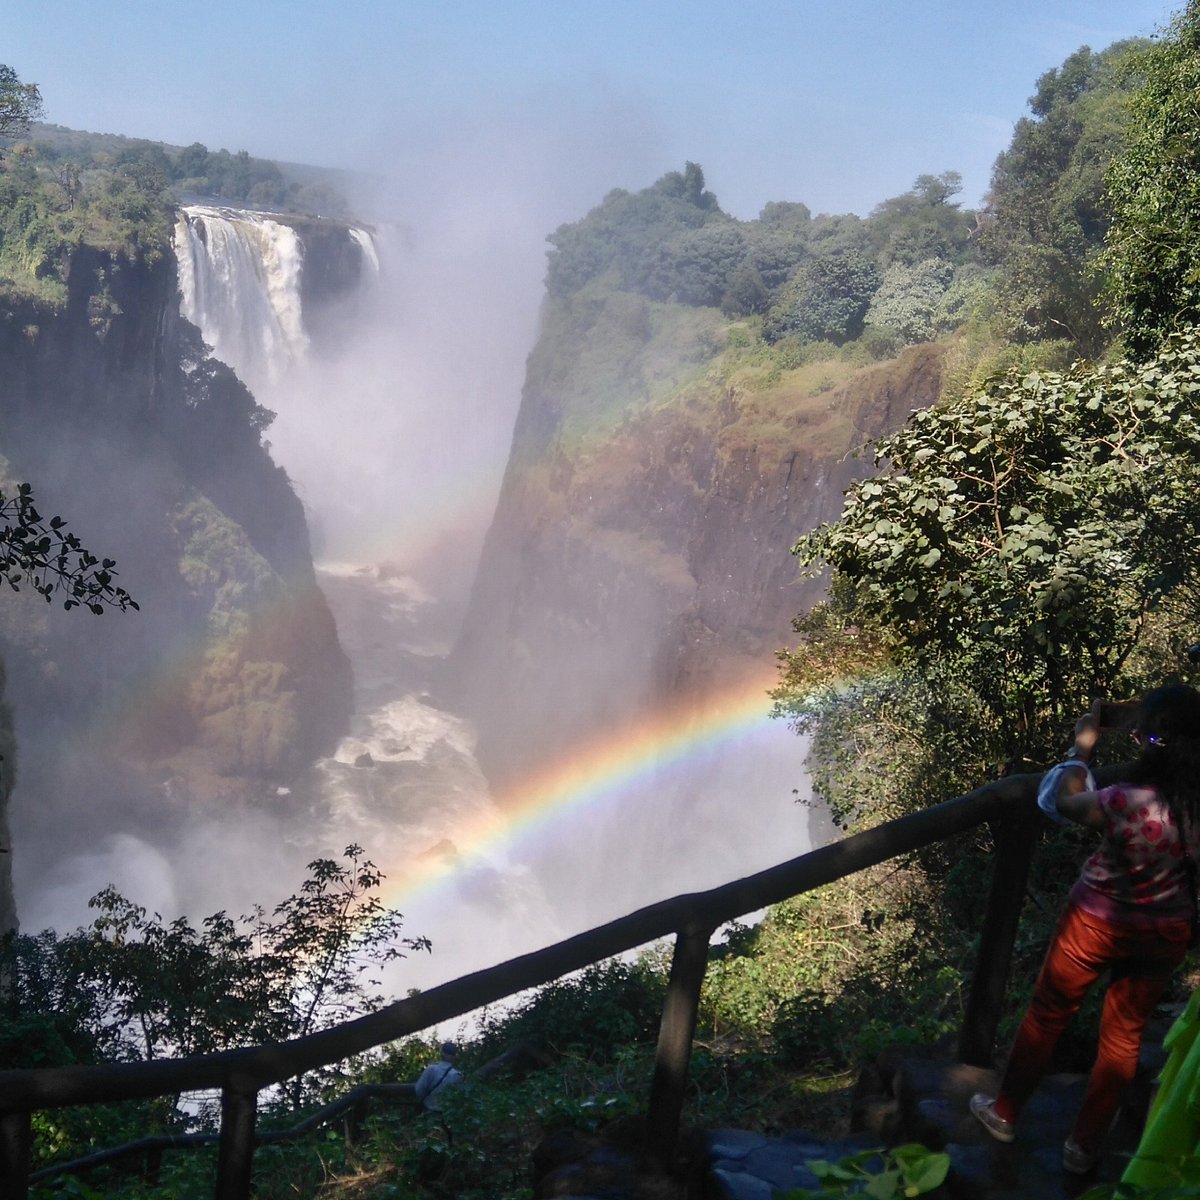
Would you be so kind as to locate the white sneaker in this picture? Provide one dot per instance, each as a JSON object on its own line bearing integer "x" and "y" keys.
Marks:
{"x": 983, "y": 1108}
{"x": 1076, "y": 1159}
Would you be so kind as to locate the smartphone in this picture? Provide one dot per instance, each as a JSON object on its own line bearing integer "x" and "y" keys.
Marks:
{"x": 1118, "y": 714}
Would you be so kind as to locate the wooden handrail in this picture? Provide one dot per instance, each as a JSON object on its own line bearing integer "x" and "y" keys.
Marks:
{"x": 240, "y": 1074}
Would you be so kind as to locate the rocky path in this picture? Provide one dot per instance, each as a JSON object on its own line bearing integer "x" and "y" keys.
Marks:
{"x": 907, "y": 1095}
{"x": 934, "y": 1095}
{"x": 910, "y": 1096}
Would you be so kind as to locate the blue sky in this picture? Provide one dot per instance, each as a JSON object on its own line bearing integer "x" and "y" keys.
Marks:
{"x": 838, "y": 103}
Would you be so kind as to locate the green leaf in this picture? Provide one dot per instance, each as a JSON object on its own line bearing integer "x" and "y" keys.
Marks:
{"x": 883, "y": 1186}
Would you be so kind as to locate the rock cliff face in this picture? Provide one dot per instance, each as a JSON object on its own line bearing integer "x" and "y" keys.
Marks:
{"x": 335, "y": 264}
{"x": 647, "y": 557}
{"x": 231, "y": 678}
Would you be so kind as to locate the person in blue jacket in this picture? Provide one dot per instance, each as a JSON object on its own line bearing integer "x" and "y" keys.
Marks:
{"x": 438, "y": 1078}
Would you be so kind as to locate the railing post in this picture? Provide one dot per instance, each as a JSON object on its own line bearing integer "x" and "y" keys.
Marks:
{"x": 235, "y": 1154}
{"x": 1015, "y": 834}
{"x": 675, "y": 1034}
{"x": 356, "y": 1118}
{"x": 152, "y": 1168}
{"x": 16, "y": 1151}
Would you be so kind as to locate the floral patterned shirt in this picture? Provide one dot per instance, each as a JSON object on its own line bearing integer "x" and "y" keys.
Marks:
{"x": 1137, "y": 876}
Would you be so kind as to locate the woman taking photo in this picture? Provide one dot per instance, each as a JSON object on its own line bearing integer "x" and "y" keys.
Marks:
{"x": 1132, "y": 912}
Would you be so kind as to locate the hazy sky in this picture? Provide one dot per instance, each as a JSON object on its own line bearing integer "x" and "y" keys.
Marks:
{"x": 838, "y": 103}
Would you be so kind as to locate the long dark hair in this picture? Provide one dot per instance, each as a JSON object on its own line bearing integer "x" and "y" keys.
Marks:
{"x": 1168, "y": 722}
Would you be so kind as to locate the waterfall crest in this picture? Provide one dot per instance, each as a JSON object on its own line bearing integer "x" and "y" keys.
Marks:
{"x": 239, "y": 282}
{"x": 253, "y": 282}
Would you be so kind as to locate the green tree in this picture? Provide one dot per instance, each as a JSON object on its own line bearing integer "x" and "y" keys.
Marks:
{"x": 695, "y": 266}
{"x": 20, "y": 103}
{"x": 909, "y": 299}
{"x": 191, "y": 163}
{"x": 688, "y": 185}
{"x": 775, "y": 250}
{"x": 747, "y": 292}
{"x": 137, "y": 986}
{"x": 785, "y": 214}
{"x": 1153, "y": 246}
{"x": 625, "y": 234}
{"x": 839, "y": 234}
{"x": 827, "y": 300}
{"x": 926, "y": 222}
{"x": 1047, "y": 212}
{"x": 1021, "y": 540}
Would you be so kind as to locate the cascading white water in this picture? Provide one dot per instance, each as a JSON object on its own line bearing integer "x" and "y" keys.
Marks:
{"x": 367, "y": 244}
{"x": 239, "y": 281}
{"x": 403, "y": 783}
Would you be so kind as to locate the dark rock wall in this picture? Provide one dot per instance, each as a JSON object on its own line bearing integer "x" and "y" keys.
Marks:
{"x": 231, "y": 671}
{"x": 655, "y": 561}
{"x": 332, "y": 279}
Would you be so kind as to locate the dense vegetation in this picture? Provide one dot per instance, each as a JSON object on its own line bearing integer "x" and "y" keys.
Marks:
{"x": 1024, "y": 546}
{"x": 809, "y": 278}
{"x": 194, "y": 172}
{"x": 918, "y": 266}
{"x": 49, "y": 207}
{"x": 133, "y": 986}
{"x": 1029, "y": 544}
{"x": 62, "y": 189}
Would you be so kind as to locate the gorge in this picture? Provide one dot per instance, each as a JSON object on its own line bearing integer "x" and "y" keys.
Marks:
{"x": 593, "y": 737}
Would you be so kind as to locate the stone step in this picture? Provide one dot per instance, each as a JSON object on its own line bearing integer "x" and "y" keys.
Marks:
{"x": 908, "y": 1094}
{"x": 912, "y": 1096}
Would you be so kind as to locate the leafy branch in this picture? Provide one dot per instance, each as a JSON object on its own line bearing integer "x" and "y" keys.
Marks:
{"x": 48, "y": 558}
{"x": 136, "y": 985}
{"x": 1026, "y": 535}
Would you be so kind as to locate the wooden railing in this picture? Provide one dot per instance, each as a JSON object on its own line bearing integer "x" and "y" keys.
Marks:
{"x": 239, "y": 1075}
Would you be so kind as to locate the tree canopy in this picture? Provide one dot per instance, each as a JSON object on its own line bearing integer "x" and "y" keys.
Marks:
{"x": 1048, "y": 212}
{"x": 134, "y": 985}
{"x": 827, "y": 299}
{"x": 1153, "y": 247}
{"x": 1024, "y": 537}
{"x": 633, "y": 236}
{"x": 20, "y": 103}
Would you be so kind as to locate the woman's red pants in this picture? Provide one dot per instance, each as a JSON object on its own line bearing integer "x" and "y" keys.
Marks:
{"x": 1082, "y": 948}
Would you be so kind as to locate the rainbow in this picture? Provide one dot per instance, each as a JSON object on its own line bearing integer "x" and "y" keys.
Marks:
{"x": 599, "y": 773}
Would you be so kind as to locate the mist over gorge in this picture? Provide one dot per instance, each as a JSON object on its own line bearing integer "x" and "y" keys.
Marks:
{"x": 636, "y": 576}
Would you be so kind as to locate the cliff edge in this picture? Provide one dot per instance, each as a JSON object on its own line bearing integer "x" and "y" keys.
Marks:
{"x": 641, "y": 548}
{"x": 230, "y": 679}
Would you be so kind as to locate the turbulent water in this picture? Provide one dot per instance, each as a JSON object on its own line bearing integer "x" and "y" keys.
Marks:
{"x": 404, "y": 783}
{"x": 483, "y": 887}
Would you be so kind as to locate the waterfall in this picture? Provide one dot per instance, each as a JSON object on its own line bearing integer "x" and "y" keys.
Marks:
{"x": 403, "y": 782}
{"x": 376, "y": 434}
{"x": 242, "y": 282}
{"x": 367, "y": 245}
{"x": 239, "y": 281}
